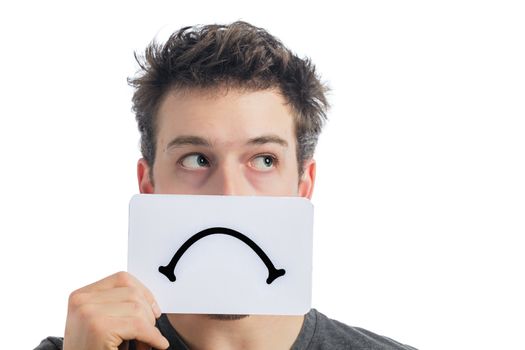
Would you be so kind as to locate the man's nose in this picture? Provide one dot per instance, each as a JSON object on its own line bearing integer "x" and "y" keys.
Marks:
{"x": 229, "y": 180}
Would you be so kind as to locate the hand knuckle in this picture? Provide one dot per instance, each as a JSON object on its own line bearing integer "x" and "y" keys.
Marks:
{"x": 140, "y": 325}
{"x": 83, "y": 313}
{"x": 146, "y": 314}
{"x": 150, "y": 317}
{"x": 136, "y": 307}
{"x": 134, "y": 294}
{"x": 94, "y": 326}
{"x": 123, "y": 278}
{"x": 76, "y": 299}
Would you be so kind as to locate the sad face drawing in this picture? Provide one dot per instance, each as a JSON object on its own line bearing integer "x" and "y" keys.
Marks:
{"x": 169, "y": 270}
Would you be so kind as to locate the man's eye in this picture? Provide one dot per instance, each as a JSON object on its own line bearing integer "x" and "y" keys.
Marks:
{"x": 264, "y": 162}
{"x": 195, "y": 161}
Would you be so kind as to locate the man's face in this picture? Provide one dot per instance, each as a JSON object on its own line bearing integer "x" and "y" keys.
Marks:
{"x": 226, "y": 143}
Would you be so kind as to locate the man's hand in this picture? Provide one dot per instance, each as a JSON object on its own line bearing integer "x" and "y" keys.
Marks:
{"x": 106, "y": 313}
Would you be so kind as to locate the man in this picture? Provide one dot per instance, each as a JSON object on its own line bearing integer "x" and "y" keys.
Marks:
{"x": 223, "y": 110}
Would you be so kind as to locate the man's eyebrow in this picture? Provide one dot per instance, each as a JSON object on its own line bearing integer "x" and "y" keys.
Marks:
{"x": 185, "y": 140}
{"x": 261, "y": 140}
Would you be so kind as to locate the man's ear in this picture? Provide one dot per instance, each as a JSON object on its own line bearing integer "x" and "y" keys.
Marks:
{"x": 307, "y": 180}
{"x": 144, "y": 177}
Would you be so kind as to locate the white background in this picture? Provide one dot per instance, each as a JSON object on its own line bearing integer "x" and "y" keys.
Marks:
{"x": 420, "y": 209}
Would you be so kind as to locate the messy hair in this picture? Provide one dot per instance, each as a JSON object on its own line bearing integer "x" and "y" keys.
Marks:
{"x": 238, "y": 55}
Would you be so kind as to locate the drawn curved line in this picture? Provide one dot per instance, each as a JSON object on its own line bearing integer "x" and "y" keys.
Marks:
{"x": 169, "y": 270}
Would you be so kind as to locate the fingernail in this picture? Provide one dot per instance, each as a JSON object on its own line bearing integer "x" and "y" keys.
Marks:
{"x": 156, "y": 310}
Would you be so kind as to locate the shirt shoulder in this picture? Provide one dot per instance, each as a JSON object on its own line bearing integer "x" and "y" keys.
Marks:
{"x": 320, "y": 332}
{"x": 50, "y": 343}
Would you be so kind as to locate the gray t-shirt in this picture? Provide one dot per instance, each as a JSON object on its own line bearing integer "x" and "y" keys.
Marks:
{"x": 317, "y": 333}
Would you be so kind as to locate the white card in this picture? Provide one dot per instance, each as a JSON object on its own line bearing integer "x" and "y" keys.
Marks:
{"x": 223, "y": 254}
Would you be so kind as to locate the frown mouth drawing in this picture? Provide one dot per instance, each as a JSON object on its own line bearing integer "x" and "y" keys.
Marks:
{"x": 169, "y": 270}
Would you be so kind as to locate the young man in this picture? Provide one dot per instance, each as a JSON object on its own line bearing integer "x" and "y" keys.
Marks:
{"x": 223, "y": 110}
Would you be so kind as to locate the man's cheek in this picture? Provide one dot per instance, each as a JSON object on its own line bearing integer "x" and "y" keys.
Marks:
{"x": 273, "y": 184}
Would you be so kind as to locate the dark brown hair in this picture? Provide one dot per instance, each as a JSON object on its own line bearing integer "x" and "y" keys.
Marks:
{"x": 238, "y": 55}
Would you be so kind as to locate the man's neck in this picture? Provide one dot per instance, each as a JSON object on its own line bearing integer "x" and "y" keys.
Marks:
{"x": 200, "y": 332}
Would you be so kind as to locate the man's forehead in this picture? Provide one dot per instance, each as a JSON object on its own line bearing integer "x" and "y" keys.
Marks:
{"x": 240, "y": 115}
{"x": 196, "y": 100}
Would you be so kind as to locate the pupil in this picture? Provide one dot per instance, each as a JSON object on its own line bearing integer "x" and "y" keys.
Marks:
{"x": 268, "y": 161}
{"x": 201, "y": 160}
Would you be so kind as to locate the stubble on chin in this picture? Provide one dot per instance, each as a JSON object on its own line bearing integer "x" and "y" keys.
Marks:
{"x": 224, "y": 317}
